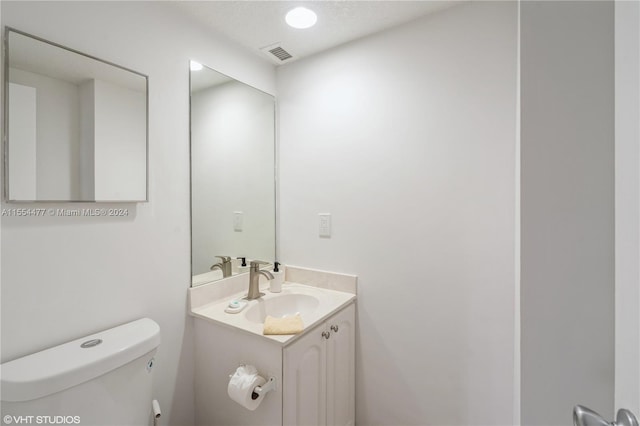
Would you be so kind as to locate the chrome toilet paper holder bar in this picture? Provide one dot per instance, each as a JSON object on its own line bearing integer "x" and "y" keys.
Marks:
{"x": 261, "y": 390}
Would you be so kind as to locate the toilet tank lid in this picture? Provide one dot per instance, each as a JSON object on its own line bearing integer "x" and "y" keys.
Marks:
{"x": 61, "y": 367}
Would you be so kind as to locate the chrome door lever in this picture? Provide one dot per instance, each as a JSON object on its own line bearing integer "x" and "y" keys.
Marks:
{"x": 626, "y": 418}
{"x": 583, "y": 416}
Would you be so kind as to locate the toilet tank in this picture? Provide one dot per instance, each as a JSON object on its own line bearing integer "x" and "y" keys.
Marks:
{"x": 101, "y": 379}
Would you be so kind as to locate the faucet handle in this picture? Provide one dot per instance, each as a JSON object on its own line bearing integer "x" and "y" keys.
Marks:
{"x": 225, "y": 259}
{"x": 255, "y": 264}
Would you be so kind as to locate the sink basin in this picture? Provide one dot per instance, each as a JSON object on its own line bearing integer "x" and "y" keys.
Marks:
{"x": 313, "y": 303}
{"x": 281, "y": 305}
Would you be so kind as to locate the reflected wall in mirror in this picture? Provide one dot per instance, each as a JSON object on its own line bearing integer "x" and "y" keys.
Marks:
{"x": 76, "y": 126}
{"x": 232, "y": 174}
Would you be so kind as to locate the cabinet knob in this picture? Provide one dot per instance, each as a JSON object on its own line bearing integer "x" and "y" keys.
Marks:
{"x": 326, "y": 334}
{"x": 334, "y": 328}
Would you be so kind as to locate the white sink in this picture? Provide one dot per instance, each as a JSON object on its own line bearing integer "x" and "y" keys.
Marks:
{"x": 280, "y": 305}
{"x": 313, "y": 303}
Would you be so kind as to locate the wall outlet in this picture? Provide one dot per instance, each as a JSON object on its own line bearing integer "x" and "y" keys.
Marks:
{"x": 325, "y": 225}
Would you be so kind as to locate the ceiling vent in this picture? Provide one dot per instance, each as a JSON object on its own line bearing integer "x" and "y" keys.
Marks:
{"x": 277, "y": 53}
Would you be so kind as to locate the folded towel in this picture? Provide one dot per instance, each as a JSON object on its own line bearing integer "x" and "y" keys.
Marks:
{"x": 287, "y": 325}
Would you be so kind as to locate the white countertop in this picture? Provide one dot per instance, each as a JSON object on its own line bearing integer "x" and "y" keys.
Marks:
{"x": 330, "y": 302}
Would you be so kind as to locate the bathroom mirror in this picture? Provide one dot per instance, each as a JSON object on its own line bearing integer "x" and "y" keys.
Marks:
{"x": 232, "y": 173}
{"x": 75, "y": 126}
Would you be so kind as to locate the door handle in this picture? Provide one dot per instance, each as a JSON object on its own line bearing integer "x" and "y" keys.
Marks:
{"x": 583, "y": 416}
{"x": 626, "y": 418}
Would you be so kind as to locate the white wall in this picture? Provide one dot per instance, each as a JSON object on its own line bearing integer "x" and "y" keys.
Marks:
{"x": 627, "y": 208}
{"x": 22, "y": 142}
{"x": 63, "y": 278}
{"x": 87, "y": 141}
{"x": 120, "y": 149}
{"x": 407, "y": 138}
{"x": 567, "y": 203}
{"x": 232, "y": 158}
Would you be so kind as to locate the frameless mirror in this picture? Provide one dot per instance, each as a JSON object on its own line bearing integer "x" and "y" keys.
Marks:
{"x": 75, "y": 126}
{"x": 232, "y": 175}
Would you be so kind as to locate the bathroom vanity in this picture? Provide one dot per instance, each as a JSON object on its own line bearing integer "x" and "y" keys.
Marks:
{"x": 314, "y": 370}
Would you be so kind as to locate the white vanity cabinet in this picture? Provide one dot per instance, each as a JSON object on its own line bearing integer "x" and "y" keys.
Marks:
{"x": 314, "y": 371}
{"x": 319, "y": 374}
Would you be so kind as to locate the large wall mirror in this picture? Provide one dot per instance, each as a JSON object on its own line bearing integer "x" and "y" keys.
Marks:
{"x": 232, "y": 175}
{"x": 75, "y": 126}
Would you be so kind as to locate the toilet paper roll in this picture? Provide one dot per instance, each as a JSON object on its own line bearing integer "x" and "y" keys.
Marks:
{"x": 242, "y": 384}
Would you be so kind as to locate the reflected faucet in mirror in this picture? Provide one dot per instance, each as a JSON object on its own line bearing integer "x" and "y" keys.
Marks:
{"x": 254, "y": 279}
{"x": 224, "y": 265}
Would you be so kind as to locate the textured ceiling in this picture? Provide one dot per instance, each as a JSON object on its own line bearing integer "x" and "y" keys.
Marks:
{"x": 257, "y": 24}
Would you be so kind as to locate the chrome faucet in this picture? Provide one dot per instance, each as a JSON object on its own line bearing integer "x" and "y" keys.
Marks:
{"x": 224, "y": 266}
{"x": 254, "y": 279}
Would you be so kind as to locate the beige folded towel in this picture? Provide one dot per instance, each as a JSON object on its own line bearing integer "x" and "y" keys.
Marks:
{"x": 288, "y": 325}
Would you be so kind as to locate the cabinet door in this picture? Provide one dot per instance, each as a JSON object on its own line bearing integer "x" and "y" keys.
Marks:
{"x": 304, "y": 381}
{"x": 341, "y": 368}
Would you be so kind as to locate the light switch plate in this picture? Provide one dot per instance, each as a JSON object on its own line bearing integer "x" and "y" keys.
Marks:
{"x": 237, "y": 221}
{"x": 325, "y": 225}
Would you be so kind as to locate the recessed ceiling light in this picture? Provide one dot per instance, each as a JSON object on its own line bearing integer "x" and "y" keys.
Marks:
{"x": 195, "y": 66}
{"x": 301, "y": 18}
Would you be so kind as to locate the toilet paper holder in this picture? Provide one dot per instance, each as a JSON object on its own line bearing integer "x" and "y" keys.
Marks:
{"x": 261, "y": 390}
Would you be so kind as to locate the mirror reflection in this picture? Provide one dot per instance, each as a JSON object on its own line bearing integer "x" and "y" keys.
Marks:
{"x": 232, "y": 175}
{"x": 76, "y": 126}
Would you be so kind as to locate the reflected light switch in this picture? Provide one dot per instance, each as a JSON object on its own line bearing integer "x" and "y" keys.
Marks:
{"x": 237, "y": 221}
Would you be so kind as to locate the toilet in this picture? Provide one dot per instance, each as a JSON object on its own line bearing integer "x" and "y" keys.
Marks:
{"x": 102, "y": 379}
